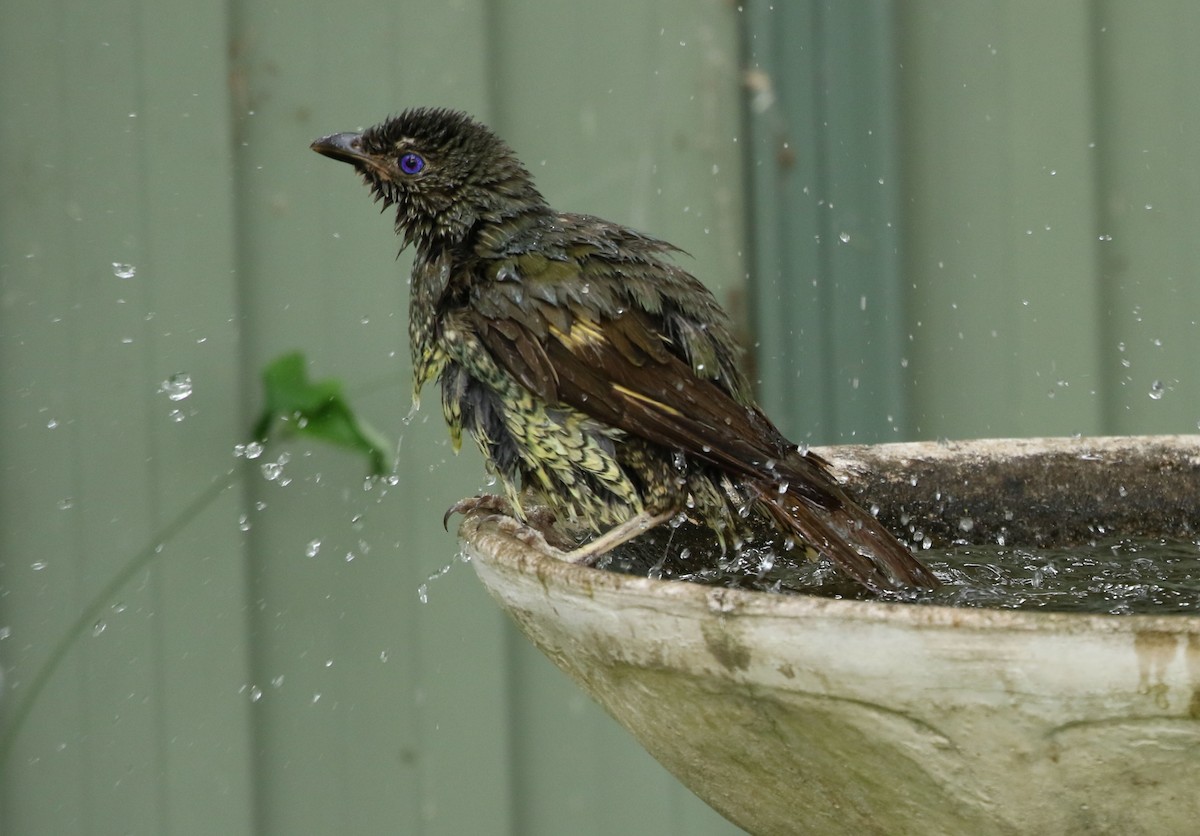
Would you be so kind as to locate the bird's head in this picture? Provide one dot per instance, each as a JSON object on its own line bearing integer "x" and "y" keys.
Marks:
{"x": 443, "y": 171}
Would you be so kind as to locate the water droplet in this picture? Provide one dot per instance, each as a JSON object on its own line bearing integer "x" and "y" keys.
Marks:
{"x": 99, "y": 627}
{"x": 767, "y": 563}
{"x": 1157, "y": 389}
{"x": 423, "y": 589}
{"x": 123, "y": 271}
{"x": 255, "y": 693}
{"x": 844, "y": 237}
{"x": 273, "y": 471}
{"x": 966, "y": 524}
{"x": 66, "y": 504}
{"x": 250, "y": 450}
{"x": 277, "y": 681}
{"x": 177, "y": 387}
{"x": 51, "y": 424}
{"x": 313, "y": 548}
{"x": 38, "y": 565}
{"x": 243, "y": 522}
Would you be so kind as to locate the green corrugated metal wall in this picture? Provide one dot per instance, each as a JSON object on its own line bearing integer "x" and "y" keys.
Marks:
{"x": 975, "y": 219}
{"x": 1025, "y": 267}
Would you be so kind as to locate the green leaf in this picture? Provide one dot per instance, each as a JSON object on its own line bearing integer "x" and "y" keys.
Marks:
{"x": 299, "y": 406}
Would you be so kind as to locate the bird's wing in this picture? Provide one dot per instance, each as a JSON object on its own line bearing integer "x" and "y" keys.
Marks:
{"x": 624, "y": 371}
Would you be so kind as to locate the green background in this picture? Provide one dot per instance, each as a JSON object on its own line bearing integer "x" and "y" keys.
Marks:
{"x": 931, "y": 219}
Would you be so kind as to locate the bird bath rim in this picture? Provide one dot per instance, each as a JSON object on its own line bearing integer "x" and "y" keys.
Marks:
{"x": 502, "y": 542}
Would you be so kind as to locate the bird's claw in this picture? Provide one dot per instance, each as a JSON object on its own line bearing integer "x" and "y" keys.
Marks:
{"x": 489, "y": 502}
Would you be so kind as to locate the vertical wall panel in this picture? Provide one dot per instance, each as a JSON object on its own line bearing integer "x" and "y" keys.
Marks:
{"x": 387, "y": 711}
{"x": 1043, "y": 211}
{"x": 1000, "y": 220}
{"x": 638, "y": 124}
{"x": 460, "y": 704}
{"x": 1147, "y": 72}
{"x": 122, "y": 706}
{"x": 824, "y": 174}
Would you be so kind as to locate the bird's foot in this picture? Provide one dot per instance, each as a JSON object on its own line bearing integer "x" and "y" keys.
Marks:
{"x": 589, "y": 553}
{"x": 538, "y": 517}
{"x": 485, "y": 502}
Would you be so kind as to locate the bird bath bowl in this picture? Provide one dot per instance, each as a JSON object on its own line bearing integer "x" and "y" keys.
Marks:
{"x": 799, "y": 714}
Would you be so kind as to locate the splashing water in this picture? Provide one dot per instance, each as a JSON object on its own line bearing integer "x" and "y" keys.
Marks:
{"x": 250, "y": 450}
{"x": 273, "y": 471}
{"x": 1113, "y": 576}
{"x": 177, "y": 387}
{"x": 423, "y": 589}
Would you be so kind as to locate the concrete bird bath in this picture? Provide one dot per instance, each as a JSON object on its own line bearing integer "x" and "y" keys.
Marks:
{"x": 798, "y": 714}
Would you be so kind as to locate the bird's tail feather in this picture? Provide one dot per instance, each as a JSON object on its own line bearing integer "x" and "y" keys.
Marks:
{"x": 848, "y": 535}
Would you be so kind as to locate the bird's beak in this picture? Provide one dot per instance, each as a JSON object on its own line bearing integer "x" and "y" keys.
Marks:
{"x": 346, "y": 147}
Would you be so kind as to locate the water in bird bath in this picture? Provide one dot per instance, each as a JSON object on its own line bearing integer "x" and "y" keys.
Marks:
{"x": 1105, "y": 575}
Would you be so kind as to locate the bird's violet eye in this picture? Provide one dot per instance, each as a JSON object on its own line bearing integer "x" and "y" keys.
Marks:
{"x": 411, "y": 164}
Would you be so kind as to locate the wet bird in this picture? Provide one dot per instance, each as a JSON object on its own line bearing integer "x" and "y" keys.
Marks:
{"x": 592, "y": 371}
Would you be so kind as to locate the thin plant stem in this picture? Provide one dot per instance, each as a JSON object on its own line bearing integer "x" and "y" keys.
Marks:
{"x": 92, "y": 612}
